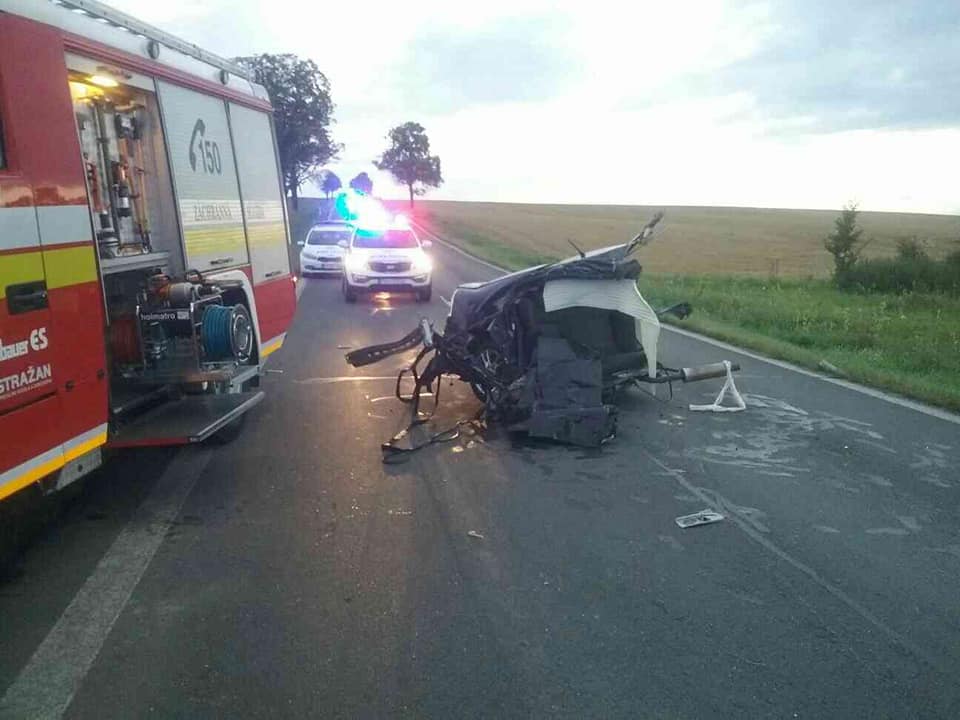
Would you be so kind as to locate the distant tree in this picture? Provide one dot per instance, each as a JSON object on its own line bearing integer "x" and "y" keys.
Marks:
{"x": 362, "y": 183}
{"x": 409, "y": 160}
{"x": 303, "y": 112}
{"x": 845, "y": 243}
{"x": 330, "y": 183}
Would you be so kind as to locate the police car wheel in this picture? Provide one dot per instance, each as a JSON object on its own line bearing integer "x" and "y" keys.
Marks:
{"x": 349, "y": 294}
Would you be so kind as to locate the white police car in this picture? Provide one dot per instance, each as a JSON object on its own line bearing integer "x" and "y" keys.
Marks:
{"x": 322, "y": 249}
{"x": 391, "y": 259}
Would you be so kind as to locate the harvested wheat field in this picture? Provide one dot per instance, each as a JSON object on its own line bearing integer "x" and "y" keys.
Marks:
{"x": 692, "y": 240}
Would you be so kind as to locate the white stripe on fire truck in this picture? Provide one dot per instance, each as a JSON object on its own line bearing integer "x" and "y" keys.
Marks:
{"x": 29, "y": 472}
{"x": 64, "y": 224}
{"x": 50, "y": 461}
{"x": 57, "y": 225}
{"x": 18, "y": 228}
{"x": 84, "y": 443}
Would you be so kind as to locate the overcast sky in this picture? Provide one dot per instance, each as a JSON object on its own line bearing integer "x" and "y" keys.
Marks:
{"x": 791, "y": 103}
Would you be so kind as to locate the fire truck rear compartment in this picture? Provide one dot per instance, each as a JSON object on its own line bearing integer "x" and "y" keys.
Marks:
{"x": 171, "y": 331}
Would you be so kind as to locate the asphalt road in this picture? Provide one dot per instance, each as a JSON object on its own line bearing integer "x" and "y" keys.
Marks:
{"x": 292, "y": 574}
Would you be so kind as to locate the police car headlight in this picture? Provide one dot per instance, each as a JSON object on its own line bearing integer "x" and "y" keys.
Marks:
{"x": 355, "y": 263}
{"x": 422, "y": 263}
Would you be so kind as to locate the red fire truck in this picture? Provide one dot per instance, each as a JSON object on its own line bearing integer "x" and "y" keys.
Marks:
{"x": 144, "y": 267}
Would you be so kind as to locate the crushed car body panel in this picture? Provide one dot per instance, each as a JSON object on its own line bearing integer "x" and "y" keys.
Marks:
{"x": 547, "y": 348}
{"x": 619, "y": 295}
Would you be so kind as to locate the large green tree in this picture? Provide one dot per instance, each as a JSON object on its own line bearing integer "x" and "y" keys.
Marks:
{"x": 409, "y": 160}
{"x": 303, "y": 112}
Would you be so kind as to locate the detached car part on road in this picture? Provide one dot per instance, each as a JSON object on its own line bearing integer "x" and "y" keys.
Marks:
{"x": 547, "y": 348}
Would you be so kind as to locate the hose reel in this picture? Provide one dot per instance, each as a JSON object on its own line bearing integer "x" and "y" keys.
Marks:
{"x": 226, "y": 333}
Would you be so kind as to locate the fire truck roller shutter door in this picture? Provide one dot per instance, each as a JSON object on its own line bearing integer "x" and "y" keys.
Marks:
{"x": 274, "y": 290}
{"x": 260, "y": 190}
{"x": 205, "y": 178}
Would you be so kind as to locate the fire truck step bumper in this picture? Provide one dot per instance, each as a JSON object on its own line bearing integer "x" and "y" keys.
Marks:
{"x": 189, "y": 420}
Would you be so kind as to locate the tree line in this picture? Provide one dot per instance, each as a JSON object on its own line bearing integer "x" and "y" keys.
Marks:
{"x": 303, "y": 113}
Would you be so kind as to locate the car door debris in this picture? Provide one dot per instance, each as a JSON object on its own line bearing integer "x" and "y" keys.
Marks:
{"x": 546, "y": 349}
{"x": 704, "y": 517}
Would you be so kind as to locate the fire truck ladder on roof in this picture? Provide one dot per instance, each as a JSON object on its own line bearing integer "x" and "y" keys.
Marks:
{"x": 108, "y": 15}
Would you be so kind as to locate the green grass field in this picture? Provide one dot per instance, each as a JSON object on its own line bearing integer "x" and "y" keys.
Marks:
{"x": 755, "y": 277}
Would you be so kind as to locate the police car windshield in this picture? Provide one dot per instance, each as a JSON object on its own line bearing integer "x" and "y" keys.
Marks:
{"x": 327, "y": 236}
{"x": 375, "y": 239}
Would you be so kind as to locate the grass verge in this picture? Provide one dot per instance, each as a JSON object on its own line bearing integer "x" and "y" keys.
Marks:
{"x": 909, "y": 344}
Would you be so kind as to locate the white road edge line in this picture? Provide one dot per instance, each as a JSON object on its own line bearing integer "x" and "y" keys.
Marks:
{"x": 872, "y": 392}
{"x": 915, "y": 405}
{"x": 48, "y": 682}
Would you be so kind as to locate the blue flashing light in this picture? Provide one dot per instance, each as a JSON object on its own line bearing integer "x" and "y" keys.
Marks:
{"x": 364, "y": 211}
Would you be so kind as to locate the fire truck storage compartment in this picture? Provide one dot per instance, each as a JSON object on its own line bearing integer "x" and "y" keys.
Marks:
{"x": 165, "y": 331}
{"x": 167, "y": 323}
{"x": 125, "y": 161}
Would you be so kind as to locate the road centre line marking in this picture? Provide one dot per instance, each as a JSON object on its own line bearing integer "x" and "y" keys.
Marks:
{"x": 48, "y": 682}
{"x": 856, "y": 387}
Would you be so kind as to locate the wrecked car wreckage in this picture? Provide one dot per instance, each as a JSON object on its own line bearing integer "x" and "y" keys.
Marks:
{"x": 545, "y": 349}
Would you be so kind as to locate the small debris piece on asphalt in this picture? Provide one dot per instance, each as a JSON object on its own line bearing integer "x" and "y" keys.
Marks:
{"x": 704, "y": 517}
{"x": 475, "y": 534}
{"x": 344, "y": 347}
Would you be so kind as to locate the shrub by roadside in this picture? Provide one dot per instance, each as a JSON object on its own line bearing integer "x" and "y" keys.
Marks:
{"x": 911, "y": 271}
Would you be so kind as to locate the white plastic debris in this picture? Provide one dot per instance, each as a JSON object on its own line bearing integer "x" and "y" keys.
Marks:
{"x": 704, "y": 517}
{"x": 728, "y": 386}
{"x": 476, "y": 535}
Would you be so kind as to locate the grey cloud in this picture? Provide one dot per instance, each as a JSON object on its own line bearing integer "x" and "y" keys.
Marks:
{"x": 509, "y": 61}
{"x": 853, "y": 65}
